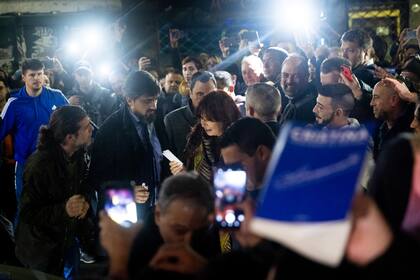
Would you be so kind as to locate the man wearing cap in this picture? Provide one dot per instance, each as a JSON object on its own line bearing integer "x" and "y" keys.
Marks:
{"x": 95, "y": 99}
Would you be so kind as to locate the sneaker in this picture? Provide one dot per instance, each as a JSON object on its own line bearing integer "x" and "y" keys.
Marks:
{"x": 86, "y": 258}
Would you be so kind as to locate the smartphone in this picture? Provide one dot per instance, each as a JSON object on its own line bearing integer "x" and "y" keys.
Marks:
{"x": 392, "y": 71}
{"x": 410, "y": 35}
{"x": 227, "y": 42}
{"x": 347, "y": 72}
{"x": 120, "y": 206}
{"x": 251, "y": 36}
{"x": 230, "y": 189}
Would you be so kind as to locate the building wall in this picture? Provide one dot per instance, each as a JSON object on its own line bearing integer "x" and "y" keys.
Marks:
{"x": 63, "y": 6}
{"x": 414, "y": 15}
{"x": 37, "y": 28}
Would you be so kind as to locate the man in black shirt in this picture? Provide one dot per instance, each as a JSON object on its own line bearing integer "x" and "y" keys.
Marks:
{"x": 301, "y": 94}
{"x": 179, "y": 224}
{"x": 332, "y": 73}
{"x": 395, "y": 113}
{"x": 95, "y": 99}
{"x": 355, "y": 45}
{"x": 55, "y": 197}
{"x": 127, "y": 140}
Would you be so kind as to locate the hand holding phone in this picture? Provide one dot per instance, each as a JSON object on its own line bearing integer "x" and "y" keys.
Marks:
{"x": 117, "y": 241}
{"x": 226, "y": 45}
{"x": 411, "y": 34}
{"x": 141, "y": 193}
{"x": 120, "y": 206}
{"x": 230, "y": 188}
{"x": 347, "y": 73}
{"x": 174, "y": 36}
{"x": 244, "y": 235}
{"x": 350, "y": 80}
{"x": 144, "y": 62}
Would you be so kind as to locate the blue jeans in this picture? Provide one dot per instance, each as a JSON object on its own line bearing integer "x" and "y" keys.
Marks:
{"x": 72, "y": 262}
{"x": 18, "y": 188}
{"x": 19, "y": 180}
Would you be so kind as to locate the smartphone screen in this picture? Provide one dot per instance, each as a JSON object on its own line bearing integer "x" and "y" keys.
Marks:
{"x": 347, "y": 72}
{"x": 410, "y": 35}
{"x": 391, "y": 71}
{"x": 230, "y": 187}
{"x": 120, "y": 206}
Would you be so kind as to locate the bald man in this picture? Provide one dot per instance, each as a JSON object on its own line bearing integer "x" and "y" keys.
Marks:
{"x": 301, "y": 94}
{"x": 395, "y": 114}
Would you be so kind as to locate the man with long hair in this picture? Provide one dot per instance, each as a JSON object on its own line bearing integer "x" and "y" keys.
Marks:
{"x": 54, "y": 203}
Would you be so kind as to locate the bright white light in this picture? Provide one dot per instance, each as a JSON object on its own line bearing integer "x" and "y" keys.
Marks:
{"x": 73, "y": 48}
{"x": 123, "y": 213}
{"x": 297, "y": 15}
{"x": 230, "y": 217}
{"x": 231, "y": 178}
{"x": 105, "y": 69}
{"x": 91, "y": 37}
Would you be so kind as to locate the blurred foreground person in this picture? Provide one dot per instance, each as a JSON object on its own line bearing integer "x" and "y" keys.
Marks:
{"x": 180, "y": 226}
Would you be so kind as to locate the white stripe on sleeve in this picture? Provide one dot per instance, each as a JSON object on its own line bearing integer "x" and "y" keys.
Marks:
{"x": 6, "y": 106}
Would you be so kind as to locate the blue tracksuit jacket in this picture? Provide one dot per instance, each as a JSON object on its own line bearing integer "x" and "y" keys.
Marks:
{"x": 23, "y": 115}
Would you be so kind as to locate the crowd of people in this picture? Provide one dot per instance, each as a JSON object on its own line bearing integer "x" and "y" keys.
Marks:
{"x": 66, "y": 138}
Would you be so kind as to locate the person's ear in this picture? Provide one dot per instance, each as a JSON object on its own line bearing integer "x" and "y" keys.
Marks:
{"x": 394, "y": 100}
{"x": 234, "y": 79}
{"x": 250, "y": 111}
{"x": 263, "y": 153}
{"x": 339, "y": 112}
{"x": 130, "y": 101}
{"x": 157, "y": 214}
{"x": 69, "y": 138}
{"x": 365, "y": 54}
